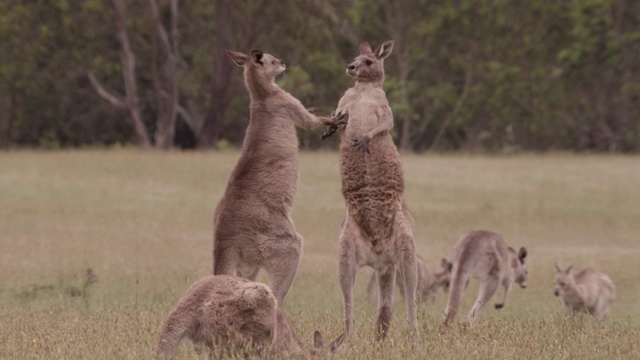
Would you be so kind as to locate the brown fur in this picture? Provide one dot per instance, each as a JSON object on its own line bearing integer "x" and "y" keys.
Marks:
{"x": 231, "y": 311}
{"x": 252, "y": 222}
{"x": 484, "y": 256}
{"x": 378, "y": 228}
{"x": 429, "y": 281}
{"x": 587, "y": 290}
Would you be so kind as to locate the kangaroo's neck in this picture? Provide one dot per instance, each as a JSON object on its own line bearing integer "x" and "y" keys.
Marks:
{"x": 259, "y": 87}
{"x": 362, "y": 86}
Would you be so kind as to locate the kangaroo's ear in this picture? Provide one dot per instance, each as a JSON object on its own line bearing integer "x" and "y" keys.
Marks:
{"x": 335, "y": 344}
{"x": 568, "y": 272}
{"x": 257, "y": 56}
{"x": 522, "y": 253}
{"x": 385, "y": 49}
{"x": 446, "y": 266}
{"x": 365, "y": 48}
{"x": 239, "y": 58}
{"x": 558, "y": 268}
{"x": 318, "y": 341}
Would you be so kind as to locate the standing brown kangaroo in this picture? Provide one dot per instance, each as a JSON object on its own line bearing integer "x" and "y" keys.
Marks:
{"x": 484, "y": 256}
{"x": 226, "y": 311}
{"x": 252, "y": 223}
{"x": 378, "y": 228}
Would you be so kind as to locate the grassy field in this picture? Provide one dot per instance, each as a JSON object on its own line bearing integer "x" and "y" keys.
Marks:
{"x": 142, "y": 222}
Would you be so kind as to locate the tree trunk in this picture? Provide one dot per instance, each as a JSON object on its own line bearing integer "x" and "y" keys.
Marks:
{"x": 129, "y": 75}
{"x": 165, "y": 82}
{"x": 219, "y": 96}
{"x": 456, "y": 110}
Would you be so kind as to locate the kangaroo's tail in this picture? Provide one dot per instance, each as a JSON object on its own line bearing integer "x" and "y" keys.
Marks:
{"x": 459, "y": 279}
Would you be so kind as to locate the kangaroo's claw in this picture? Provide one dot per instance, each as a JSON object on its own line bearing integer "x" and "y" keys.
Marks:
{"x": 499, "y": 306}
{"x": 362, "y": 144}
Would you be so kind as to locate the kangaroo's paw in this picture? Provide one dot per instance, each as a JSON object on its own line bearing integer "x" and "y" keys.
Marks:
{"x": 312, "y": 109}
{"x": 362, "y": 144}
{"x": 499, "y": 306}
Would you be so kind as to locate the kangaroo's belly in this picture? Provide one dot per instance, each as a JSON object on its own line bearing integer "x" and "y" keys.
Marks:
{"x": 372, "y": 185}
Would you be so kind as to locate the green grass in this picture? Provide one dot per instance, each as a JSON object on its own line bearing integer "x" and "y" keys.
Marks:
{"x": 142, "y": 221}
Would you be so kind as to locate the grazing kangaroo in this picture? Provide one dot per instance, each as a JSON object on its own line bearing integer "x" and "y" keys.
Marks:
{"x": 484, "y": 256}
{"x": 252, "y": 222}
{"x": 378, "y": 228}
{"x": 225, "y": 311}
{"x": 429, "y": 281}
{"x": 587, "y": 290}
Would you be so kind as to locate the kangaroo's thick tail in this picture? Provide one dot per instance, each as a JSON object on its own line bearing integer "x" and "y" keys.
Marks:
{"x": 372, "y": 288}
{"x": 173, "y": 331}
{"x": 458, "y": 283}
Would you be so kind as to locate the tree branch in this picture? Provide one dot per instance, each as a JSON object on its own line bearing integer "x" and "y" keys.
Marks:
{"x": 115, "y": 100}
{"x": 454, "y": 113}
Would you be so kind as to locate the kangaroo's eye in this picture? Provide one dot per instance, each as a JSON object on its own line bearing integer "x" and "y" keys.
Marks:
{"x": 368, "y": 62}
{"x": 561, "y": 283}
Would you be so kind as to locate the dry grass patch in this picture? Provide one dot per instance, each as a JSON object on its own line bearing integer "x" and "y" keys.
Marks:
{"x": 142, "y": 221}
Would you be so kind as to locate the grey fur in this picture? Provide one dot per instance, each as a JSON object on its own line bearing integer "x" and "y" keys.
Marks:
{"x": 230, "y": 311}
{"x": 378, "y": 228}
{"x": 485, "y": 256}
{"x": 587, "y": 290}
{"x": 253, "y": 228}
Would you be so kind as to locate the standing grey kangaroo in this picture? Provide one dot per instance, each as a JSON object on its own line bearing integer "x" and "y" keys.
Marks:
{"x": 227, "y": 310}
{"x": 587, "y": 290}
{"x": 252, "y": 223}
{"x": 484, "y": 256}
{"x": 378, "y": 228}
{"x": 429, "y": 281}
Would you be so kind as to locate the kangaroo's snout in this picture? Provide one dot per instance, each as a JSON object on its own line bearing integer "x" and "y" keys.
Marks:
{"x": 351, "y": 69}
{"x": 556, "y": 292}
{"x": 523, "y": 285}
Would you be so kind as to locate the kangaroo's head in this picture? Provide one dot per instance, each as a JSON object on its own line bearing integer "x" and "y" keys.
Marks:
{"x": 519, "y": 268}
{"x": 564, "y": 280}
{"x": 286, "y": 339}
{"x": 444, "y": 277}
{"x": 369, "y": 65}
{"x": 259, "y": 68}
{"x": 320, "y": 347}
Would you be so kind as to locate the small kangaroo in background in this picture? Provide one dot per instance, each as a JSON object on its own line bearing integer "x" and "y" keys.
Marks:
{"x": 253, "y": 228}
{"x": 429, "y": 281}
{"x": 484, "y": 256}
{"x": 230, "y": 311}
{"x": 587, "y": 290}
{"x": 378, "y": 228}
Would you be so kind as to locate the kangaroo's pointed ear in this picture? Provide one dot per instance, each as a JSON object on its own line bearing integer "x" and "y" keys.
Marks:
{"x": 239, "y": 58}
{"x": 335, "y": 344}
{"x": 365, "y": 48}
{"x": 522, "y": 253}
{"x": 318, "y": 341}
{"x": 558, "y": 268}
{"x": 257, "y": 56}
{"x": 568, "y": 272}
{"x": 385, "y": 49}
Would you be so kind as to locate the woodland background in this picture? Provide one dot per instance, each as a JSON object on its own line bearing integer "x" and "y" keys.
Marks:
{"x": 498, "y": 76}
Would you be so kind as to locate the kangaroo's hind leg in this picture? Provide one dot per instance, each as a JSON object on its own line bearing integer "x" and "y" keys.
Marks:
{"x": 386, "y": 289}
{"x": 409, "y": 270}
{"x": 347, "y": 268}
{"x": 487, "y": 288}
{"x": 282, "y": 265}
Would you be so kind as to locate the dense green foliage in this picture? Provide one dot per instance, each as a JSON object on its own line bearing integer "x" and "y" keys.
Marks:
{"x": 465, "y": 74}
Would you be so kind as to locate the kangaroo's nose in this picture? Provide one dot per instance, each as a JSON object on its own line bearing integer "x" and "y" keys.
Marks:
{"x": 556, "y": 293}
{"x": 351, "y": 67}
